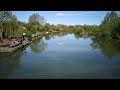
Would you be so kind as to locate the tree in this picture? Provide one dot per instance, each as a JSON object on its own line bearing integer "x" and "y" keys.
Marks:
{"x": 35, "y": 22}
{"x": 47, "y": 27}
{"x": 23, "y": 24}
{"x": 110, "y": 24}
{"x": 4, "y": 17}
{"x": 36, "y": 19}
{"x": 14, "y": 23}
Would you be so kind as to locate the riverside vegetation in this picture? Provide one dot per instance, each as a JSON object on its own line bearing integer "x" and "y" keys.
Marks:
{"x": 10, "y": 26}
{"x": 61, "y": 51}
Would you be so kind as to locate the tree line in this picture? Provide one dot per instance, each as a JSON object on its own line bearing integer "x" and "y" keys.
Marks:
{"x": 10, "y": 26}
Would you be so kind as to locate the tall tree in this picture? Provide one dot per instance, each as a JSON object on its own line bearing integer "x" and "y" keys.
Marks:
{"x": 4, "y": 17}
{"x": 47, "y": 27}
{"x": 14, "y": 23}
{"x": 36, "y": 19}
{"x": 35, "y": 22}
{"x": 109, "y": 26}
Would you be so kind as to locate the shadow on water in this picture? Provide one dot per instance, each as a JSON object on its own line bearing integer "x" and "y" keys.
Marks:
{"x": 9, "y": 62}
{"x": 38, "y": 46}
{"x": 109, "y": 48}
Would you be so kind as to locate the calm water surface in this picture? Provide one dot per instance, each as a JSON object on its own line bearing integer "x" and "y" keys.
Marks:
{"x": 63, "y": 57}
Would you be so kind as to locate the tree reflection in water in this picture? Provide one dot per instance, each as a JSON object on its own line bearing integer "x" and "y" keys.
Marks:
{"x": 53, "y": 35}
{"x": 109, "y": 48}
{"x": 47, "y": 36}
{"x": 78, "y": 36}
{"x": 38, "y": 46}
{"x": 9, "y": 62}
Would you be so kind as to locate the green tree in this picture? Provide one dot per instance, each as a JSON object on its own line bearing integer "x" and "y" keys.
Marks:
{"x": 35, "y": 23}
{"x": 36, "y": 19}
{"x": 14, "y": 24}
{"x": 23, "y": 24}
{"x": 4, "y": 17}
{"x": 110, "y": 24}
{"x": 47, "y": 27}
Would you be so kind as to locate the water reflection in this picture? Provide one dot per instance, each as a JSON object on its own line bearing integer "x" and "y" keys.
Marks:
{"x": 109, "y": 48}
{"x": 77, "y": 36}
{"x": 66, "y": 57}
{"x": 48, "y": 36}
{"x": 38, "y": 46}
{"x": 53, "y": 35}
{"x": 9, "y": 62}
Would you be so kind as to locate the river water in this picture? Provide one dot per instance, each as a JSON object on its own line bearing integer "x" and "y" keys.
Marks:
{"x": 63, "y": 57}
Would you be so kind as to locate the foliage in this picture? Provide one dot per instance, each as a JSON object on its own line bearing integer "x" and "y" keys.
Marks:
{"x": 11, "y": 26}
{"x": 110, "y": 25}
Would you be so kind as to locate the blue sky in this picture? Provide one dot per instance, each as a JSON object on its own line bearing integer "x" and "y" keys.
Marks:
{"x": 65, "y": 17}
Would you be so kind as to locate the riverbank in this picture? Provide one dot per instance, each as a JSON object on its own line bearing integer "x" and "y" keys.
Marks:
{"x": 24, "y": 43}
{"x": 11, "y": 49}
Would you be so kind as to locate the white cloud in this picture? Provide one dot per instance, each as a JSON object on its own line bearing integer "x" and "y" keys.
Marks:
{"x": 82, "y": 13}
{"x": 77, "y": 14}
{"x": 60, "y": 14}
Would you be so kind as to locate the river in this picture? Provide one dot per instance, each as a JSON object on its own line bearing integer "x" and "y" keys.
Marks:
{"x": 66, "y": 56}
